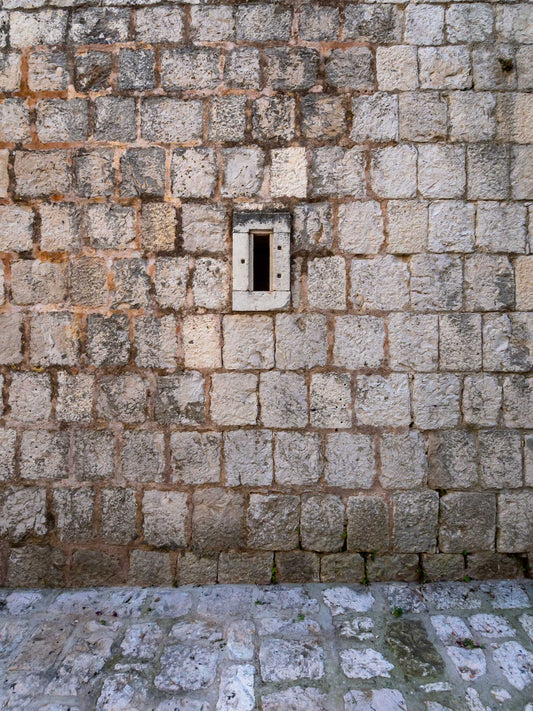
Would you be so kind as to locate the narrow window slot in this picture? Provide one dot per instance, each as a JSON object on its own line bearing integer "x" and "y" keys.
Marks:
{"x": 261, "y": 261}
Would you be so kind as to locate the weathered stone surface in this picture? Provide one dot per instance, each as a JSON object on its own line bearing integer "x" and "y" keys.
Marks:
{"x": 415, "y": 521}
{"x": 165, "y": 515}
{"x": 297, "y": 458}
{"x": 283, "y": 660}
{"x": 217, "y": 520}
{"x": 195, "y": 457}
{"x": 415, "y": 653}
{"x": 368, "y": 524}
{"x": 403, "y": 461}
{"x": 273, "y": 521}
{"x": 467, "y": 522}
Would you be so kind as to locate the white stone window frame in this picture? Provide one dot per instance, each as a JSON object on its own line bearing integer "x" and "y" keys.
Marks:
{"x": 278, "y": 224}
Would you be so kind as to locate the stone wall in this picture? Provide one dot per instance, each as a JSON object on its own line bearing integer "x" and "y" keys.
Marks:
{"x": 381, "y": 428}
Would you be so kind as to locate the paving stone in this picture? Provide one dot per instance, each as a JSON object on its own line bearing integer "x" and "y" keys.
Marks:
{"x": 364, "y": 664}
{"x": 186, "y": 668}
{"x": 283, "y": 660}
{"x": 416, "y": 655}
{"x": 292, "y": 699}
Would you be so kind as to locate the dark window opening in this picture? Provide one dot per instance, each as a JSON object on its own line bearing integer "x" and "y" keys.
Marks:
{"x": 261, "y": 259}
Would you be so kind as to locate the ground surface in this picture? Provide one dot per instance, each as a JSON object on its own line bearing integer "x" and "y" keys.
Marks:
{"x": 396, "y": 647}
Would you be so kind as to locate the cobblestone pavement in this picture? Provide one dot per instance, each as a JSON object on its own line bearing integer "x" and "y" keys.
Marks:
{"x": 395, "y": 647}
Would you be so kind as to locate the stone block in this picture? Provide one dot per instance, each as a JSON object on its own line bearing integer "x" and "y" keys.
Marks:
{"x": 469, "y": 109}
{"x": 379, "y": 24}
{"x": 217, "y": 520}
{"x": 95, "y": 173}
{"x": 488, "y": 172}
{"x": 444, "y": 68}
{"x": 436, "y": 282}
{"x": 403, "y": 461}
{"x": 460, "y": 341}
{"x": 201, "y": 341}
{"x": 22, "y": 513}
{"x": 323, "y": 116}
{"x": 283, "y": 398}
{"x": 493, "y": 67}
{"x": 143, "y": 172}
{"x": 227, "y": 118}
{"x": 338, "y": 172}
{"x": 263, "y": 23}
{"x": 74, "y": 397}
{"x": 30, "y": 396}
{"x": 297, "y": 567}
{"x": 93, "y": 455}
{"x": 518, "y": 401}
{"x": 437, "y": 567}
{"x": 350, "y": 461}
{"x": 512, "y": 23}
{"x": 515, "y": 528}
{"x": 375, "y": 118}
{"x": 342, "y": 568}
{"x": 290, "y": 69}
{"x": 53, "y": 339}
{"x": 521, "y": 179}
{"x": 131, "y": 284}
{"x": 180, "y": 398}
{"x": 501, "y": 459}
{"x": 368, "y": 524}
{"x": 436, "y": 400}
{"x": 41, "y": 173}
{"x": 115, "y": 119}
{"x": 60, "y": 223}
{"x": 183, "y": 69}
{"x": 135, "y": 69}
{"x": 10, "y": 74}
{"x": 108, "y": 339}
{"x": 44, "y": 455}
{"x": 413, "y": 342}
{"x": 408, "y": 226}
{"x": 297, "y": 458}
{"x": 122, "y": 398}
{"x": 424, "y": 25}
{"x": 234, "y": 398}
{"x": 441, "y": 171}
{"x": 359, "y": 342}
{"x": 383, "y": 400}
{"x": 143, "y": 456}
{"x": 384, "y": 568}
{"x": 169, "y": 120}
{"x": 42, "y": 27}
{"x": 288, "y": 172}
{"x": 453, "y": 460}
{"x": 195, "y": 457}
{"x": 467, "y": 522}
{"x": 504, "y": 341}
{"x": 489, "y": 283}
{"x": 111, "y": 226}
{"x": 241, "y": 70}
{"x": 397, "y": 68}
{"x": 326, "y": 283}
{"x": 170, "y": 281}
{"x": 300, "y": 341}
{"x": 379, "y": 284}
{"x": 245, "y": 568}
{"x": 4, "y": 174}
{"x": 99, "y": 25}
{"x": 415, "y": 521}
{"x": 248, "y": 342}
{"x": 204, "y": 227}
{"x": 393, "y": 171}
{"x": 272, "y": 521}
{"x": 197, "y": 570}
{"x": 73, "y": 511}
{"x": 155, "y": 341}
{"x": 35, "y": 566}
{"x": 482, "y": 400}
{"x": 193, "y": 172}
{"x": 273, "y": 118}
{"x": 491, "y": 566}
{"x": 89, "y": 568}
{"x": 524, "y": 283}
{"x": 243, "y": 171}
{"x": 35, "y": 281}
{"x": 318, "y": 24}
{"x": 158, "y": 227}
{"x": 212, "y": 24}
{"x": 62, "y": 121}
{"x": 331, "y": 400}
{"x": 93, "y": 70}
{"x": 150, "y": 567}
{"x": 361, "y": 227}
{"x": 88, "y": 281}
{"x": 524, "y": 64}
{"x": 165, "y": 518}
{"x": 469, "y": 23}
{"x": 312, "y": 226}
{"x": 423, "y": 116}
{"x": 16, "y": 228}
{"x": 248, "y": 457}
{"x": 322, "y": 523}
{"x": 14, "y": 121}
{"x": 350, "y": 68}
{"x": 8, "y": 441}
{"x": 451, "y": 226}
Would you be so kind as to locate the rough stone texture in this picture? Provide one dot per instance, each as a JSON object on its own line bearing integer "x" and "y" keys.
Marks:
{"x": 391, "y": 394}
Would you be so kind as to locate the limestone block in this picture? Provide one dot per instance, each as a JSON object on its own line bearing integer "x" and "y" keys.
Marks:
{"x": 288, "y": 173}
{"x": 248, "y": 457}
{"x": 143, "y": 456}
{"x": 192, "y": 568}
{"x": 201, "y": 341}
{"x": 350, "y": 68}
{"x": 283, "y": 398}
{"x": 159, "y": 24}
{"x": 93, "y": 455}
{"x": 453, "y": 460}
{"x": 488, "y": 68}
{"x": 242, "y": 568}
{"x": 263, "y": 23}
{"x": 518, "y": 401}
{"x": 297, "y": 567}
{"x": 241, "y": 70}
{"x": 441, "y": 171}
{"x": 99, "y": 25}
{"x": 22, "y": 512}
{"x": 444, "y": 68}
{"x": 8, "y": 441}
{"x": 183, "y": 69}
{"x": 274, "y": 118}
{"x": 149, "y": 567}
{"x": 413, "y": 341}
{"x": 10, "y": 74}
{"x": 35, "y": 281}
{"x": 195, "y": 457}
{"x": 400, "y": 566}
{"x": 41, "y": 173}
{"x": 131, "y": 284}
{"x": 482, "y": 400}
{"x": 408, "y": 226}
{"x": 423, "y": 115}
{"x": 312, "y": 226}
{"x": 521, "y": 179}
{"x": 322, "y": 523}
{"x": 42, "y": 27}
{"x": 501, "y": 459}
{"x": 469, "y": 109}
{"x": 74, "y": 397}
{"x": 331, "y": 400}
{"x": 368, "y": 524}
{"x": 396, "y": 68}
{"x": 515, "y": 532}
{"x": 297, "y": 458}
{"x": 460, "y": 341}
{"x": 383, "y": 400}
{"x": 467, "y": 522}
{"x": 16, "y": 228}
{"x": 93, "y": 72}
{"x": 301, "y": 340}
{"x": 436, "y": 400}
{"x": 165, "y": 515}
{"x": 30, "y": 396}
{"x": 35, "y": 566}
{"x": 43, "y": 455}
{"x": 210, "y": 284}
{"x": 338, "y": 171}
{"x": 170, "y": 281}
{"x": 212, "y": 24}
{"x": 4, "y": 175}
{"x": 227, "y": 118}
{"x": 53, "y": 339}
{"x": 243, "y": 171}
{"x": 472, "y": 23}
{"x": 217, "y": 520}
{"x": 323, "y": 116}
{"x": 158, "y": 227}
{"x": 204, "y": 227}
{"x": 115, "y": 119}
{"x": 451, "y": 226}
{"x": 505, "y": 339}
{"x": 88, "y": 281}
{"x": 14, "y": 121}
{"x": 424, "y": 24}
{"x": 234, "y": 398}
{"x": 193, "y": 172}
{"x": 379, "y": 284}
{"x": 361, "y": 227}
{"x": 326, "y": 283}
{"x": 359, "y": 342}
{"x": 489, "y": 283}
{"x": 272, "y": 521}
{"x": 524, "y": 283}
{"x": 171, "y": 120}
{"x": 375, "y": 118}
{"x": 122, "y": 398}
{"x": 436, "y": 282}
{"x": 415, "y": 521}
{"x": 350, "y": 460}
{"x": 318, "y": 24}
{"x": 500, "y": 227}
{"x": 380, "y": 24}
{"x": 135, "y": 69}
{"x": 393, "y": 171}
{"x": 89, "y": 567}
{"x": 73, "y": 509}
{"x": 289, "y": 69}
{"x": 488, "y": 171}
{"x": 403, "y": 461}
{"x": 180, "y": 398}
{"x": 108, "y": 339}
{"x": 62, "y": 121}
{"x": 341, "y": 568}
{"x": 143, "y": 172}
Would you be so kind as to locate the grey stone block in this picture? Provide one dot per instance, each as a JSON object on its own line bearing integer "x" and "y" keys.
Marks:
{"x": 322, "y": 523}
{"x": 453, "y": 460}
{"x": 180, "y": 398}
{"x": 143, "y": 456}
{"x": 217, "y": 520}
{"x": 248, "y": 458}
{"x": 415, "y": 521}
{"x": 272, "y": 521}
{"x": 467, "y": 522}
{"x": 368, "y": 524}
